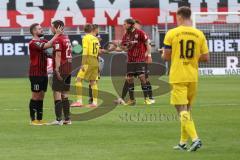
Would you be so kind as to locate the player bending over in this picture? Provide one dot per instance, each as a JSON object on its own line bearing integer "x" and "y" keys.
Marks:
{"x": 38, "y": 71}
{"x": 185, "y": 46}
{"x": 90, "y": 66}
{"x": 62, "y": 66}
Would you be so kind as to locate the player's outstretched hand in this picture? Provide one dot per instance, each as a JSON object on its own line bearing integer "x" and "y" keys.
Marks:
{"x": 59, "y": 30}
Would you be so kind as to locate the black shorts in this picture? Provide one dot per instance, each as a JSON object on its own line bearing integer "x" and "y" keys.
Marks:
{"x": 38, "y": 83}
{"x": 61, "y": 86}
{"x": 136, "y": 69}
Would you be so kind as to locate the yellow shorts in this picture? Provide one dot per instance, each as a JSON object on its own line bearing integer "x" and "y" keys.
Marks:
{"x": 89, "y": 73}
{"x": 183, "y": 93}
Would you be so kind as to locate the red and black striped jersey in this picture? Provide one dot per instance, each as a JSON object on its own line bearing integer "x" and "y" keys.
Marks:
{"x": 136, "y": 44}
{"x": 38, "y": 59}
{"x": 62, "y": 44}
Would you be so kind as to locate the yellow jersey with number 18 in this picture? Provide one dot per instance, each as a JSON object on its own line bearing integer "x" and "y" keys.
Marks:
{"x": 187, "y": 44}
{"x": 91, "y": 47}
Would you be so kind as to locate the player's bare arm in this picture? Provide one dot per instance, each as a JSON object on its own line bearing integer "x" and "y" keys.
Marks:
{"x": 57, "y": 61}
{"x": 148, "y": 52}
{"x": 204, "y": 58}
{"x": 166, "y": 55}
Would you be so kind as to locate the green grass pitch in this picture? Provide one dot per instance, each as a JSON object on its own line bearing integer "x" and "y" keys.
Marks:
{"x": 111, "y": 137}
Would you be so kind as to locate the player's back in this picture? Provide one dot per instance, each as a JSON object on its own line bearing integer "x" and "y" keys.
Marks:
{"x": 187, "y": 44}
{"x": 91, "y": 47}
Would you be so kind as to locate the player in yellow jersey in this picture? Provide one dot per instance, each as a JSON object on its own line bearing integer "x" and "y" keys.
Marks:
{"x": 185, "y": 46}
{"x": 95, "y": 32}
{"x": 90, "y": 66}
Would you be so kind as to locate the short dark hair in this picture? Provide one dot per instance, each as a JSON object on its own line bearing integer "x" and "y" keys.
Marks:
{"x": 130, "y": 21}
{"x": 185, "y": 12}
{"x": 138, "y": 22}
{"x": 32, "y": 27}
{"x": 58, "y": 23}
{"x": 88, "y": 28}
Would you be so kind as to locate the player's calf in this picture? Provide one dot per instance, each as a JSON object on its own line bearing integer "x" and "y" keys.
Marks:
{"x": 66, "y": 109}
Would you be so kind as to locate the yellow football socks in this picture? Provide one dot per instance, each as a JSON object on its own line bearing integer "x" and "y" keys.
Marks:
{"x": 95, "y": 92}
{"x": 79, "y": 90}
{"x": 184, "y": 135}
{"x": 187, "y": 127}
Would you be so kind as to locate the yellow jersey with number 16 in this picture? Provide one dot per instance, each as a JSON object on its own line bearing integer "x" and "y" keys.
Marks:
{"x": 187, "y": 44}
{"x": 91, "y": 47}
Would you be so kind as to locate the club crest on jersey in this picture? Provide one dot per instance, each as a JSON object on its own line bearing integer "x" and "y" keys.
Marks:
{"x": 136, "y": 35}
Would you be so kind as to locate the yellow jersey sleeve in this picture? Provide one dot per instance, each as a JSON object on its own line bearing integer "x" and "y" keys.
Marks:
{"x": 204, "y": 48}
{"x": 168, "y": 40}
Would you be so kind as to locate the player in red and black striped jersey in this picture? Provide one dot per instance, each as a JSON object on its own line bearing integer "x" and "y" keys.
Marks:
{"x": 125, "y": 86}
{"x": 137, "y": 45}
{"x": 38, "y": 71}
{"x": 62, "y": 68}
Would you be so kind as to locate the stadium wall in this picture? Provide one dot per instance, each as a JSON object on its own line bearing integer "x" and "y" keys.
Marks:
{"x": 114, "y": 65}
{"x": 22, "y": 13}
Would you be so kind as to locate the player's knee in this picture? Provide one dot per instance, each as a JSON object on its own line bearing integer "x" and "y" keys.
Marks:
{"x": 142, "y": 79}
{"x": 79, "y": 80}
{"x": 130, "y": 79}
{"x": 37, "y": 95}
{"x": 57, "y": 96}
{"x": 185, "y": 116}
{"x": 94, "y": 86}
{"x": 93, "y": 83}
{"x": 64, "y": 96}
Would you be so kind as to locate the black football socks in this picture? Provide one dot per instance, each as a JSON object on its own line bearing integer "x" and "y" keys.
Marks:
{"x": 145, "y": 90}
{"x": 58, "y": 110}
{"x": 39, "y": 110}
{"x": 150, "y": 93}
{"x": 125, "y": 89}
{"x": 66, "y": 109}
{"x": 32, "y": 109}
{"x": 131, "y": 91}
{"x": 36, "y": 108}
